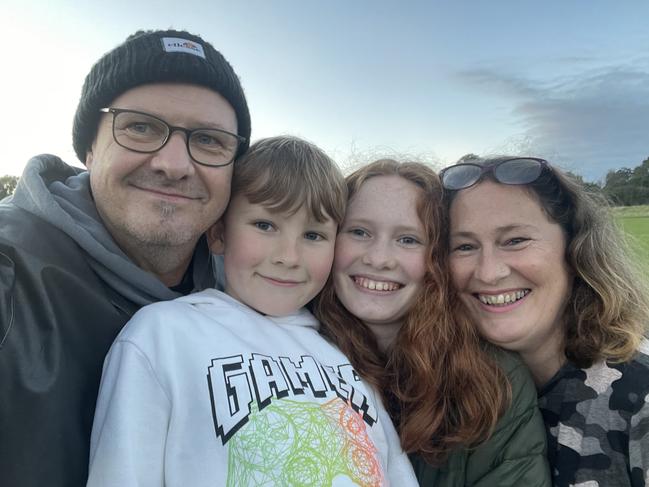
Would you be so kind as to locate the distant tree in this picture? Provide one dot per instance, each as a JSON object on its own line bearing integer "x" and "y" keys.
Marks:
{"x": 628, "y": 187}
{"x": 593, "y": 187}
{"x": 7, "y": 185}
{"x": 468, "y": 158}
{"x": 623, "y": 187}
{"x": 640, "y": 182}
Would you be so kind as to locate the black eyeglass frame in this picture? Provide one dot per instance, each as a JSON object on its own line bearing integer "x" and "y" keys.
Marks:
{"x": 170, "y": 130}
{"x": 492, "y": 168}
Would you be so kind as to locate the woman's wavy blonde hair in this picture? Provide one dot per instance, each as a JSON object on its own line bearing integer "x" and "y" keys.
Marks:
{"x": 607, "y": 313}
{"x": 442, "y": 387}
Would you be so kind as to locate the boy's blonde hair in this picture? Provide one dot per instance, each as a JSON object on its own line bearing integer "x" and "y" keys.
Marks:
{"x": 286, "y": 173}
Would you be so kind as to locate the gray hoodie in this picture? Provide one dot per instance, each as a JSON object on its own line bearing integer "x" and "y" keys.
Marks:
{"x": 60, "y": 194}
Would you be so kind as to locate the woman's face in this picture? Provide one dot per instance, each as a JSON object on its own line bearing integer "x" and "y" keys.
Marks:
{"x": 508, "y": 264}
{"x": 379, "y": 263}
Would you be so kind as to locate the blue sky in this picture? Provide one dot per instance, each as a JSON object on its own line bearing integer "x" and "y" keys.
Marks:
{"x": 566, "y": 80}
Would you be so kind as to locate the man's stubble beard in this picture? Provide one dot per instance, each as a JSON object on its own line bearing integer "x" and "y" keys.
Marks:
{"x": 162, "y": 244}
{"x": 168, "y": 232}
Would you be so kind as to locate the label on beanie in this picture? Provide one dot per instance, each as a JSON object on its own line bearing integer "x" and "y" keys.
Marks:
{"x": 176, "y": 44}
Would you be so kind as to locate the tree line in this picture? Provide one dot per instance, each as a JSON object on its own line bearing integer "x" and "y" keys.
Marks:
{"x": 7, "y": 185}
{"x": 623, "y": 187}
{"x": 628, "y": 187}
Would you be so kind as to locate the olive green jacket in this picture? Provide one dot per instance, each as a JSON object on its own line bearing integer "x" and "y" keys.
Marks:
{"x": 515, "y": 453}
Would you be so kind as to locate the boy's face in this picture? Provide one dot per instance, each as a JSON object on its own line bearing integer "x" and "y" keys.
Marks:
{"x": 275, "y": 262}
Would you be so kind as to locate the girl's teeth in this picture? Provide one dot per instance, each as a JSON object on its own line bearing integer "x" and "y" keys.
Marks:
{"x": 376, "y": 285}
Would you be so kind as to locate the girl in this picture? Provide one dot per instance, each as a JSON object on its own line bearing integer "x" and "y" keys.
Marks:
{"x": 467, "y": 412}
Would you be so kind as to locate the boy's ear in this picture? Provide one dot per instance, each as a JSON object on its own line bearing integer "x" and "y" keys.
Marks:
{"x": 215, "y": 238}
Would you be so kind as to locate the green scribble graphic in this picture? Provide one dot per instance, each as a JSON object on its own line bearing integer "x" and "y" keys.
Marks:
{"x": 293, "y": 443}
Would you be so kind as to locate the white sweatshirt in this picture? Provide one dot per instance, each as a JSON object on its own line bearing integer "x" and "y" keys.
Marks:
{"x": 204, "y": 391}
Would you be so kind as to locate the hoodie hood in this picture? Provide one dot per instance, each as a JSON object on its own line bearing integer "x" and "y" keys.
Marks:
{"x": 301, "y": 317}
{"x": 60, "y": 194}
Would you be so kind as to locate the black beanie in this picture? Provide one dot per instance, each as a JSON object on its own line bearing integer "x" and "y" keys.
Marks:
{"x": 155, "y": 57}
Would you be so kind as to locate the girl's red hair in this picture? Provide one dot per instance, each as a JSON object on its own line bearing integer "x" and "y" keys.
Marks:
{"x": 441, "y": 385}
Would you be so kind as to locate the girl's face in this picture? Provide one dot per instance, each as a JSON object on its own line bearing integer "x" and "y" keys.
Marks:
{"x": 379, "y": 263}
{"x": 508, "y": 264}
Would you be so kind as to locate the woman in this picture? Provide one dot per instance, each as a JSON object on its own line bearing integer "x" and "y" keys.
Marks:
{"x": 541, "y": 270}
{"x": 468, "y": 411}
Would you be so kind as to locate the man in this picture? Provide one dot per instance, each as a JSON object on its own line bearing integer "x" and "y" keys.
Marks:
{"x": 160, "y": 120}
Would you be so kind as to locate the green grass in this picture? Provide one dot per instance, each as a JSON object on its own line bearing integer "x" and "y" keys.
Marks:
{"x": 635, "y": 222}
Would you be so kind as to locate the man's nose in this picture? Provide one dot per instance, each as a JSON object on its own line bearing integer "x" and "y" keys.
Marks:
{"x": 173, "y": 158}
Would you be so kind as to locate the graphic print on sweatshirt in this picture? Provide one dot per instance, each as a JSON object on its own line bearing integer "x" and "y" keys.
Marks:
{"x": 292, "y": 422}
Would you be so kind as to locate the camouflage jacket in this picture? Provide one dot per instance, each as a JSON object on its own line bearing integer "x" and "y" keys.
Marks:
{"x": 597, "y": 423}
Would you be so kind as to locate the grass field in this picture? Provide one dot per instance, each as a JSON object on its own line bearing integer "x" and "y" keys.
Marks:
{"x": 635, "y": 222}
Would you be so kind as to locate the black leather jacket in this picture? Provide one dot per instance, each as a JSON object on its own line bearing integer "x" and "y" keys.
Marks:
{"x": 58, "y": 319}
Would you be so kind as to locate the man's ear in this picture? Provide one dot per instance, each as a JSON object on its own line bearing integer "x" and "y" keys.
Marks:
{"x": 215, "y": 238}
{"x": 89, "y": 157}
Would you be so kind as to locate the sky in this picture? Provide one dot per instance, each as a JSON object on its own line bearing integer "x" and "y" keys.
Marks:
{"x": 566, "y": 80}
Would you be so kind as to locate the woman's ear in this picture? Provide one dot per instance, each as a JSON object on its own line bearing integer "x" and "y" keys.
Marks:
{"x": 215, "y": 238}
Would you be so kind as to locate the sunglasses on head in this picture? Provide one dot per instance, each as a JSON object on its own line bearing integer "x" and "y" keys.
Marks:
{"x": 517, "y": 170}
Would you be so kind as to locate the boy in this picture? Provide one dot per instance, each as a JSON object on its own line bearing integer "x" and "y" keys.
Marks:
{"x": 238, "y": 388}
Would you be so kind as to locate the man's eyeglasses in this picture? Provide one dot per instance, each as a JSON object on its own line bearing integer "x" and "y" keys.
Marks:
{"x": 141, "y": 132}
{"x": 518, "y": 170}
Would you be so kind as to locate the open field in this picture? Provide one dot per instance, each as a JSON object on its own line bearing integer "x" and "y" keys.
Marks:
{"x": 635, "y": 221}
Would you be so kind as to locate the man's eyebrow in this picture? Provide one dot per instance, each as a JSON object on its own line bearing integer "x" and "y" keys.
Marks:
{"x": 207, "y": 125}
{"x": 189, "y": 123}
